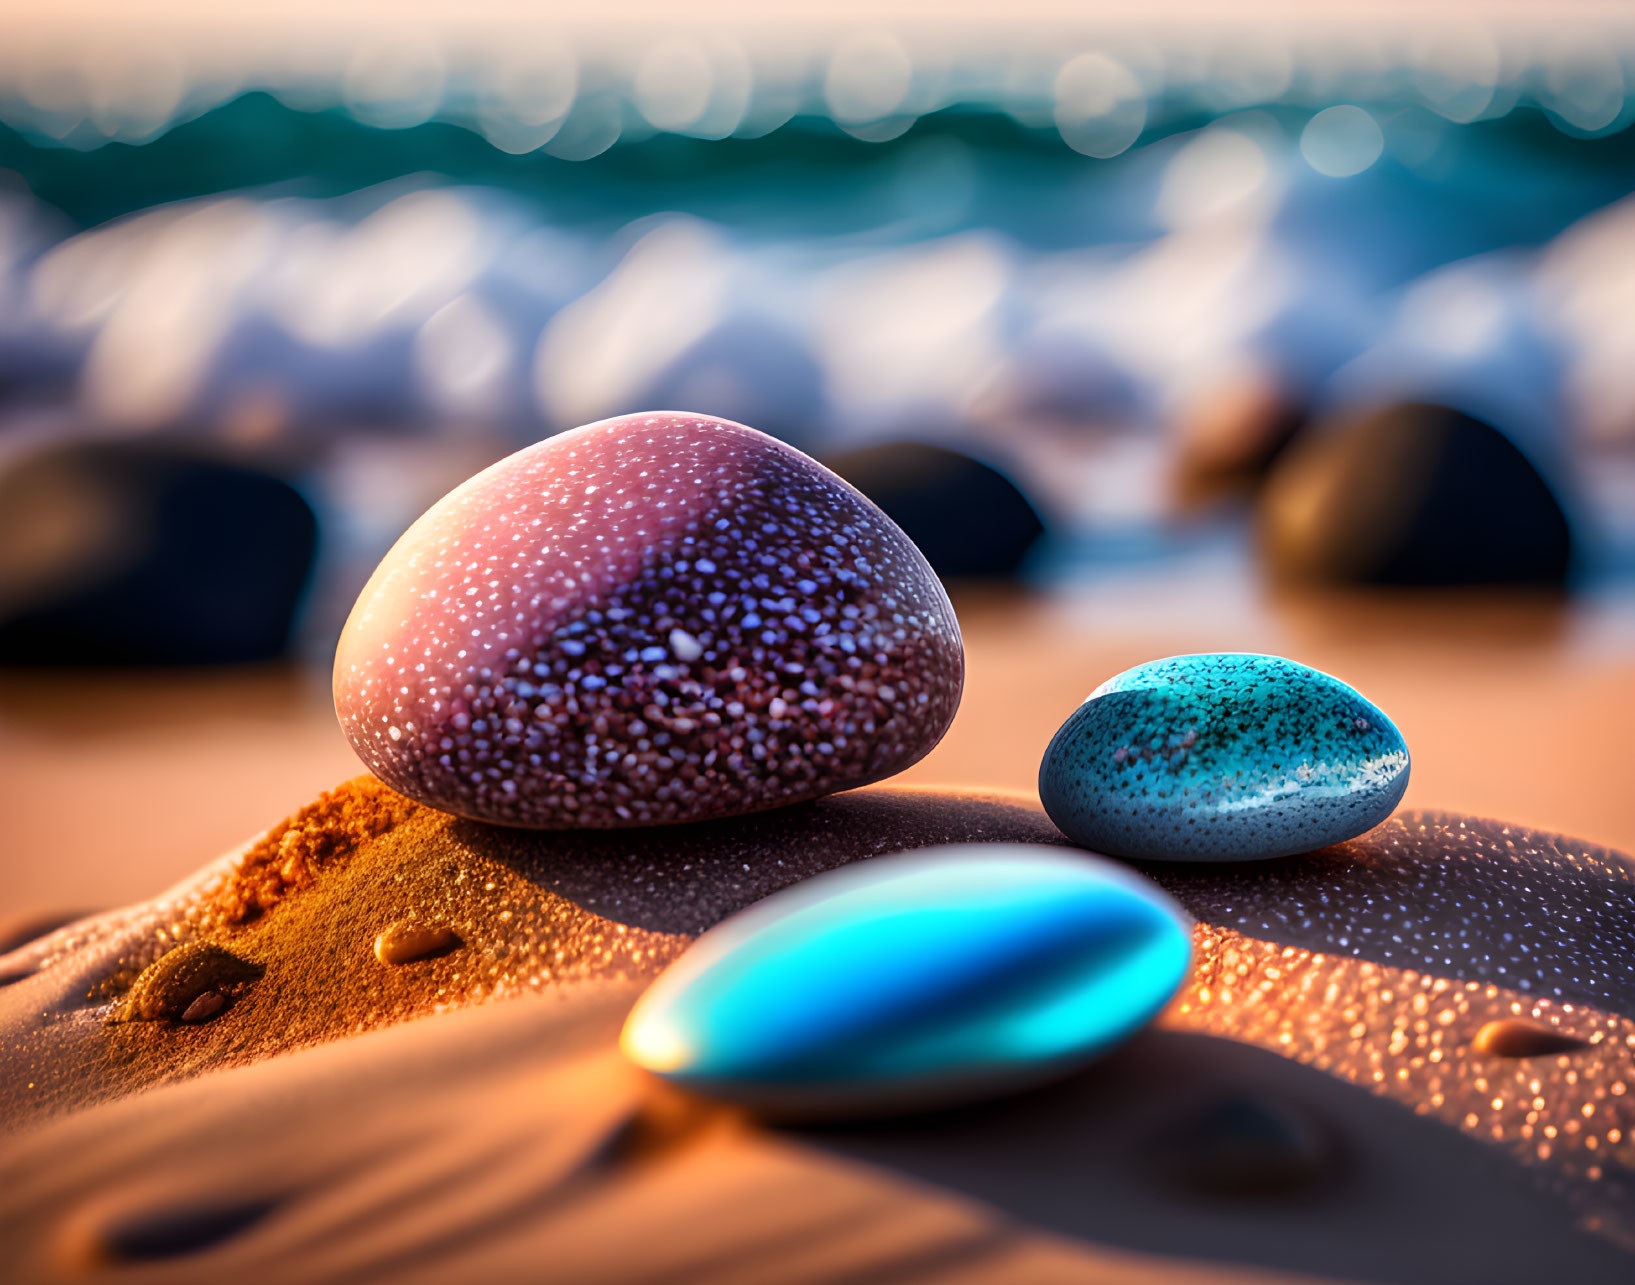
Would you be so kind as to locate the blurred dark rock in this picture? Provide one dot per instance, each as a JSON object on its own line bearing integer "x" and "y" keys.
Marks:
{"x": 127, "y": 553}
{"x": 1412, "y": 494}
{"x": 968, "y": 518}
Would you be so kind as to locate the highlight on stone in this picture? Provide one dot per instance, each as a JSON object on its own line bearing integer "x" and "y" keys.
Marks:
{"x": 658, "y": 618}
{"x": 1223, "y": 756}
{"x": 923, "y": 979}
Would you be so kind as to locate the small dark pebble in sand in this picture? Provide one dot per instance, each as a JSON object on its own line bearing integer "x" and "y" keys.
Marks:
{"x": 189, "y": 984}
{"x": 406, "y": 941}
{"x": 204, "y": 1007}
{"x": 1515, "y": 1037}
{"x": 1245, "y": 1147}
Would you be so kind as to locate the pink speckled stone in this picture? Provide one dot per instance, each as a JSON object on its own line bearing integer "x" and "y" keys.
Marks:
{"x": 652, "y": 619}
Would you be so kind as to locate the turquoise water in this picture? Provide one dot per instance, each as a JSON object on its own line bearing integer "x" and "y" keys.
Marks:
{"x": 286, "y": 282}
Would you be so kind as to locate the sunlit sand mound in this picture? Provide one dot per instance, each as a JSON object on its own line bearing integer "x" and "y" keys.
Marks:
{"x": 1403, "y": 1058}
{"x": 365, "y": 909}
{"x": 1482, "y": 975}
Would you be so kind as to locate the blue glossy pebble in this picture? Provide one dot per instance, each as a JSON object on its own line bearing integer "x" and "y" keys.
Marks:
{"x": 914, "y": 980}
{"x": 1222, "y": 757}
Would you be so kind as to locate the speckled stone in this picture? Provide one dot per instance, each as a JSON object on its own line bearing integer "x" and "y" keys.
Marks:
{"x": 652, "y": 619}
{"x": 1221, "y": 757}
{"x": 916, "y": 980}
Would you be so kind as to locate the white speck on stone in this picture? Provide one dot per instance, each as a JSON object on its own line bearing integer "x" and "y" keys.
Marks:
{"x": 685, "y": 646}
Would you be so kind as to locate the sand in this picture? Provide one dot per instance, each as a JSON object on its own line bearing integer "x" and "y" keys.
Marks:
{"x": 305, "y": 905}
{"x": 508, "y": 1142}
{"x": 465, "y": 1115}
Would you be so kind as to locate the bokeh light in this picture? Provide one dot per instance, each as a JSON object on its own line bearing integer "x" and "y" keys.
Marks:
{"x": 869, "y": 78}
{"x": 1100, "y": 106}
{"x": 1342, "y": 140}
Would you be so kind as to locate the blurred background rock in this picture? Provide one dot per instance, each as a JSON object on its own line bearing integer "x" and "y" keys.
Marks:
{"x": 1159, "y": 331}
{"x": 142, "y": 553}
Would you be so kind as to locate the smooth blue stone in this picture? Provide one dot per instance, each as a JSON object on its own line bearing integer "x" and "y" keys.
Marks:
{"x": 1226, "y": 756}
{"x": 916, "y": 980}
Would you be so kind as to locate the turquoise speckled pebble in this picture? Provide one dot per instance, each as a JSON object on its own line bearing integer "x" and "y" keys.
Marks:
{"x": 1222, "y": 757}
{"x": 915, "y": 980}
